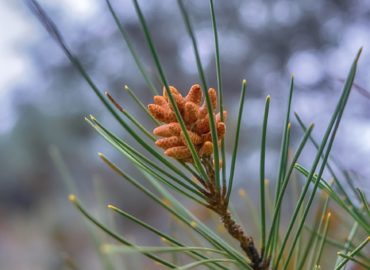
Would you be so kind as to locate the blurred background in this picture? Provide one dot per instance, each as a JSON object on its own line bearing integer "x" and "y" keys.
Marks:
{"x": 43, "y": 102}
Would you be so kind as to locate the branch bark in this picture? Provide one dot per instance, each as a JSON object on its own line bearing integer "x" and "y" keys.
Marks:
{"x": 217, "y": 202}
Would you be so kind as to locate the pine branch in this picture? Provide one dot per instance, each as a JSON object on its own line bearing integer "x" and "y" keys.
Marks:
{"x": 217, "y": 201}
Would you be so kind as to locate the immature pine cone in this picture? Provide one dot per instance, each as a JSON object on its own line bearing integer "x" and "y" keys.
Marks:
{"x": 196, "y": 118}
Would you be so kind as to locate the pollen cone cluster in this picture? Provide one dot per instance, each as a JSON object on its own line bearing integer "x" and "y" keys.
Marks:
{"x": 195, "y": 114}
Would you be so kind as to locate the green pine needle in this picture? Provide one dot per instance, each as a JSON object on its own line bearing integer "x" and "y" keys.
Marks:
{"x": 73, "y": 199}
{"x": 212, "y": 121}
{"x": 220, "y": 91}
{"x": 350, "y": 255}
{"x": 328, "y": 138}
{"x": 236, "y": 140}
{"x": 153, "y": 51}
{"x": 132, "y": 49}
{"x": 262, "y": 176}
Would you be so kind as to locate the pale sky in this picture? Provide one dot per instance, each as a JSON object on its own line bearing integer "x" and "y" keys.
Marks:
{"x": 13, "y": 63}
{"x": 18, "y": 30}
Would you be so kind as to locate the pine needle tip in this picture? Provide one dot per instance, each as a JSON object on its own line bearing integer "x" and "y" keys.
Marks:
{"x": 242, "y": 192}
{"x": 358, "y": 54}
{"x": 110, "y": 206}
{"x": 104, "y": 248}
{"x": 72, "y": 198}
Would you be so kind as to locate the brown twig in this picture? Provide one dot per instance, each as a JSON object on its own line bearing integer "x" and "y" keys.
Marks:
{"x": 217, "y": 202}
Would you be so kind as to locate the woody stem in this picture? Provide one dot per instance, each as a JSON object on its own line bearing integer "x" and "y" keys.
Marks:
{"x": 217, "y": 202}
